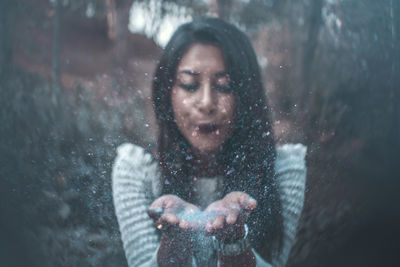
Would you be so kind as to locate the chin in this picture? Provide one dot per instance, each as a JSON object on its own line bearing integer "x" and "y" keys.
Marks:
{"x": 208, "y": 149}
{"x": 209, "y": 145}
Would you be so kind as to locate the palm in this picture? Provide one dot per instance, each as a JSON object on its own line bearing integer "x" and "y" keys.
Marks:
{"x": 228, "y": 215}
{"x": 173, "y": 211}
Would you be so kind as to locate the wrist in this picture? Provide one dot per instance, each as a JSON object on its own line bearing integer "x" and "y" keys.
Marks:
{"x": 235, "y": 246}
{"x": 239, "y": 233}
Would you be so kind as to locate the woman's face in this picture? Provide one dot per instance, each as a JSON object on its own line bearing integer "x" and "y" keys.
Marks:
{"x": 202, "y": 98}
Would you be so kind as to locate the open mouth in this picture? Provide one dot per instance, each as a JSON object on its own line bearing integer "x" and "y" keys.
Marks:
{"x": 207, "y": 128}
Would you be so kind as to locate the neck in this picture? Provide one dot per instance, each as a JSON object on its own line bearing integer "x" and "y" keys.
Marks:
{"x": 206, "y": 165}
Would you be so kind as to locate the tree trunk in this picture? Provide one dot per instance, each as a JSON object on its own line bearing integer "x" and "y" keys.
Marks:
{"x": 309, "y": 50}
{"x": 7, "y": 8}
{"x": 56, "y": 51}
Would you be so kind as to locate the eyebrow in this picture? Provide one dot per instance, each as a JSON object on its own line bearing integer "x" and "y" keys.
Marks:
{"x": 193, "y": 73}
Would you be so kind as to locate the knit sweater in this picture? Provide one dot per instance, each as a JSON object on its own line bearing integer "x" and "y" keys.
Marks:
{"x": 136, "y": 184}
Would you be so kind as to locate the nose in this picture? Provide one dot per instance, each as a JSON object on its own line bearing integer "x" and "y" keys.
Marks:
{"x": 207, "y": 101}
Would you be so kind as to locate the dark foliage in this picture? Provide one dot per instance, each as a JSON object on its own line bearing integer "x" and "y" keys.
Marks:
{"x": 56, "y": 160}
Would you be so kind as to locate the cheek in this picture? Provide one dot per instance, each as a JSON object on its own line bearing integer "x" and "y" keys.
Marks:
{"x": 227, "y": 106}
{"x": 181, "y": 108}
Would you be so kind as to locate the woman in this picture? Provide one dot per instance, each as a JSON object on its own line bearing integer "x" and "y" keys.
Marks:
{"x": 219, "y": 192}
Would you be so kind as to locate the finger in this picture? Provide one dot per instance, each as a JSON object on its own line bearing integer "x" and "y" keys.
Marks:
{"x": 208, "y": 228}
{"x": 155, "y": 212}
{"x": 247, "y": 202}
{"x": 158, "y": 203}
{"x": 218, "y": 222}
{"x": 213, "y": 217}
{"x": 251, "y": 203}
{"x": 233, "y": 214}
{"x": 189, "y": 225}
{"x": 169, "y": 218}
{"x": 184, "y": 224}
{"x": 159, "y": 206}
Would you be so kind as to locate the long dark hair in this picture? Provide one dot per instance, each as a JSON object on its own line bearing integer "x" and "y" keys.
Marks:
{"x": 248, "y": 156}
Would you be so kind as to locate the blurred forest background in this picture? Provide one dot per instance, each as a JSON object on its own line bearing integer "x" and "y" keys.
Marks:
{"x": 75, "y": 83}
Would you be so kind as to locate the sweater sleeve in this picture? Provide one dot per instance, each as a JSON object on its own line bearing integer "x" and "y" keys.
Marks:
{"x": 135, "y": 184}
{"x": 290, "y": 172}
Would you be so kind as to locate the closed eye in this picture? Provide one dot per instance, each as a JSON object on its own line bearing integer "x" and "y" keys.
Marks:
{"x": 191, "y": 87}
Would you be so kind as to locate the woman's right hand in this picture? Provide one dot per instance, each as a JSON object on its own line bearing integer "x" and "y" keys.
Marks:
{"x": 169, "y": 212}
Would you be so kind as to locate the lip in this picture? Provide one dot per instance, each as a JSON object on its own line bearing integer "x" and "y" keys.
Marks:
{"x": 207, "y": 128}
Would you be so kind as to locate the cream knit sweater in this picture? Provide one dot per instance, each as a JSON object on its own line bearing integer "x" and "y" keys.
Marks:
{"x": 136, "y": 184}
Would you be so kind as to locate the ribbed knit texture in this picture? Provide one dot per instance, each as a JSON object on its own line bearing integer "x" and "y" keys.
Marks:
{"x": 136, "y": 184}
{"x": 290, "y": 171}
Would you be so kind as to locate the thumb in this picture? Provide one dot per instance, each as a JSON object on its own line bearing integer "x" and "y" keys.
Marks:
{"x": 155, "y": 212}
{"x": 247, "y": 202}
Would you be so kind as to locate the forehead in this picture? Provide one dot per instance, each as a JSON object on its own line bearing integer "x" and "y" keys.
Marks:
{"x": 202, "y": 58}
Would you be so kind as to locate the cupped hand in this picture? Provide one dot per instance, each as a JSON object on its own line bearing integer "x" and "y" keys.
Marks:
{"x": 228, "y": 215}
{"x": 169, "y": 212}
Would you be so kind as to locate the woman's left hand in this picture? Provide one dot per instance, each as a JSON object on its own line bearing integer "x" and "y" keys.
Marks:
{"x": 229, "y": 215}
